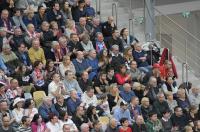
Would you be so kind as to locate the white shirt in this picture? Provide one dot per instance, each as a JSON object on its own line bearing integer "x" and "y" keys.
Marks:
{"x": 18, "y": 114}
{"x": 52, "y": 88}
{"x": 71, "y": 123}
{"x": 89, "y": 100}
{"x": 54, "y": 127}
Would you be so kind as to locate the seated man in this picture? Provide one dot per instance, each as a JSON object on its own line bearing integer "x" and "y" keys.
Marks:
{"x": 6, "y": 126}
{"x": 154, "y": 124}
{"x": 94, "y": 63}
{"x": 36, "y": 53}
{"x": 127, "y": 93}
{"x": 82, "y": 27}
{"x": 141, "y": 59}
{"x": 115, "y": 40}
{"x": 117, "y": 58}
{"x": 73, "y": 102}
{"x": 160, "y": 105}
{"x": 122, "y": 112}
{"x": 112, "y": 126}
{"x": 89, "y": 98}
{"x": 9, "y": 58}
{"x": 81, "y": 64}
{"x": 71, "y": 83}
{"x": 79, "y": 117}
{"x": 25, "y": 126}
{"x": 56, "y": 87}
{"x": 136, "y": 74}
{"x": 84, "y": 81}
{"x": 46, "y": 108}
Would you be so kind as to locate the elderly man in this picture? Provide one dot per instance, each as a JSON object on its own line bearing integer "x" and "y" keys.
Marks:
{"x": 194, "y": 96}
{"x": 82, "y": 28}
{"x": 81, "y": 64}
{"x": 85, "y": 127}
{"x": 108, "y": 27}
{"x": 127, "y": 93}
{"x": 139, "y": 124}
{"x": 9, "y": 58}
{"x": 73, "y": 102}
{"x": 6, "y": 21}
{"x": 36, "y": 53}
{"x": 160, "y": 105}
{"x": 117, "y": 58}
{"x": 141, "y": 58}
{"x": 112, "y": 127}
{"x": 46, "y": 108}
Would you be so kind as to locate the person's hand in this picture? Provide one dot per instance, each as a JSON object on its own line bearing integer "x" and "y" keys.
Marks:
{"x": 101, "y": 64}
{"x": 89, "y": 69}
{"x": 58, "y": 17}
{"x": 112, "y": 24}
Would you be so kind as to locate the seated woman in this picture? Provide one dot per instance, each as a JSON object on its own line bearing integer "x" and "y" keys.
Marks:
{"x": 70, "y": 28}
{"x": 66, "y": 65}
{"x": 122, "y": 77}
{"x": 18, "y": 111}
{"x": 127, "y": 40}
{"x": 113, "y": 96}
{"x": 128, "y": 56}
{"x": 29, "y": 108}
{"x": 38, "y": 124}
{"x": 125, "y": 125}
{"x": 38, "y": 76}
{"x": 169, "y": 85}
{"x": 50, "y": 69}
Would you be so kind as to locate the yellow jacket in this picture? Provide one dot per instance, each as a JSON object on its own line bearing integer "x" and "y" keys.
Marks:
{"x": 37, "y": 55}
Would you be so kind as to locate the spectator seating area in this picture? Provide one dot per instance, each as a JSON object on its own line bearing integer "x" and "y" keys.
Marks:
{"x": 63, "y": 70}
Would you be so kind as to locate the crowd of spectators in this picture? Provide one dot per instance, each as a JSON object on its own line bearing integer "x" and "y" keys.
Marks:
{"x": 63, "y": 70}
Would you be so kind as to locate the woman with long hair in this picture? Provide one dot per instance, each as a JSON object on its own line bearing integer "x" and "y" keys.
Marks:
{"x": 127, "y": 40}
{"x": 92, "y": 113}
{"x": 49, "y": 70}
{"x": 69, "y": 28}
{"x": 37, "y": 125}
{"x": 128, "y": 56}
{"x": 66, "y": 11}
{"x": 29, "y": 108}
{"x": 66, "y": 65}
{"x": 41, "y": 15}
{"x": 122, "y": 76}
{"x": 105, "y": 59}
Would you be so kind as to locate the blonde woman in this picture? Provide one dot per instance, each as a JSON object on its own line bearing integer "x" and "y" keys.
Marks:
{"x": 113, "y": 96}
{"x": 70, "y": 28}
{"x": 128, "y": 56}
{"x": 66, "y": 65}
{"x": 170, "y": 100}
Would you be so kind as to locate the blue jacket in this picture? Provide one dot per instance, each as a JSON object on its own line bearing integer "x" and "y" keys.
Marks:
{"x": 137, "y": 55}
{"x": 126, "y": 96}
{"x": 71, "y": 106}
{"x": 44, "y": 111}
{"x": 80, "y": 67}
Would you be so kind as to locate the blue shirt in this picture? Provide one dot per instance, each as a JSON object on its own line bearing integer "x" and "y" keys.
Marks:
{"x": 120, "y": 113}
{"x": 72, "y": 105}
{"x": 126, "y": 96}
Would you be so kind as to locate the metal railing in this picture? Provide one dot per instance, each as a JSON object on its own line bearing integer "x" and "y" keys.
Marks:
{"x": 115, "y": 12}
{"x": 180, "y": 42}
{"x": 98, "y": 8}
{"x": 130, "y": 26}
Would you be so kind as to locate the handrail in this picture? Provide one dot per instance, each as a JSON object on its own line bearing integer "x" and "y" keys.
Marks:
{"x": 177, "y": 24}
{"x": 98, "y": 8}
{"x": 115, "y": 8}
{"x": 130, "y": 26}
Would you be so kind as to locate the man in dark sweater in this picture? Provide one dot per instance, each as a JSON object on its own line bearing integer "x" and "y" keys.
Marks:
{"x": 160, "y": 105}
{"x": 115, "y": 40}
{"x": 179, "y": 119}
{"x": 166, "y": 121}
